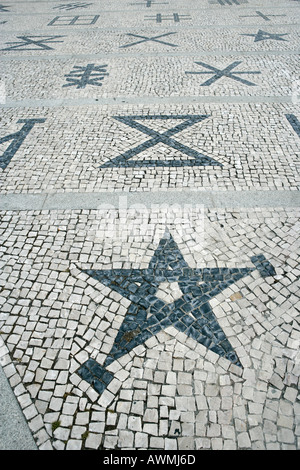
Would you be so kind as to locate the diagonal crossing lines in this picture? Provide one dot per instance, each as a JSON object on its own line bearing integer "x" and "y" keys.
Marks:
{"x": 146, "y": 39}
{"x": 227, "y": 72}
{"x": 198, "y": 159}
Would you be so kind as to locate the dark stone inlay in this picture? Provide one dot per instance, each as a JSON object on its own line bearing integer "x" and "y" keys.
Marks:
{"x": 263, "y": 36}
{"x": 259, "y": 14}
{"x": 124, "y": 160}
{"x": 72, "y": 6}
{"x": 3, "y": 8}
{"x": 146, "y": 39}
{"x": 147, "y": 314}
{"x": 81, "y": 76}
{"x": 227, "y": 72}
{"x": 17, "y": 140}
{"x": 228, "y": 2}
{"x": 81, "y": 20}
{"x": 40, "y": 42}
{"x": 159, "y": 18}
{"x": 294, "y": 122}
{"x": 149, "y": 3}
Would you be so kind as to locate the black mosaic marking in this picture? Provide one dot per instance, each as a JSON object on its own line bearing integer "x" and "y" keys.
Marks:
{"x": 159, "y": 18}
{"x": 149, "y": 3}
{"x": 261, "y": 15}
{"x": 228, "y": 2}
{"x": 263, "y": 36}
{"x": 82, "y": 76}
{"x": 17, "y": 140}
{"x": 39, "y": 42}
{"x": 124, "y": 160}
{"x": 72, "y": 6}
{"x": 147, "y": 314}
{"x": 146, "y": 39}
{"x": 218, "y": 73}
{"x": 3, "y": 8}
{"x": 294, "y": 122}
{"x": 80, "y": 20}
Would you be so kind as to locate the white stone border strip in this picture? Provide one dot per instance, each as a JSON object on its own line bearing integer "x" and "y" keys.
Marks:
{"x": 113, "y": 200}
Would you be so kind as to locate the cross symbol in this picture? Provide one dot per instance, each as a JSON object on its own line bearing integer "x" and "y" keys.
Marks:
{"x": 262, "y": 36}
{"x": 146, "y": 39}
{"x": 218, "y": 73}
{"x": 228, "y": 2}
{"x": 148, "y": 3}
{"x": 188, "y": 310}
{"x": 198, "y": 159}
{"x": 28, "y": 40}
{"x": 259, "y": 13}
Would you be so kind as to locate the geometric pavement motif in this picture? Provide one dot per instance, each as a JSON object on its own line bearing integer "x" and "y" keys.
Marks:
{"x": 294, "y": 122}
{"x": 218, "y": 73}
{"x": 91, "y": 74}
{"x": 4, "y": 7}
{"x": 146, "y": 39}
{"x": 159, "y": 18}
{"x": 74, "y": 20}
{"x": 197, "y": 159}
{"x": 262, "y": 36}
{"x": 228, "y": 2}
{"x": 17, "y": 140}
{"x": 72, "y": 6}
{"x": 28, "y": 40}
{"x": 190, "y": 312}
{"x": 148, "y": 3}
{"x": 261, "y": 15}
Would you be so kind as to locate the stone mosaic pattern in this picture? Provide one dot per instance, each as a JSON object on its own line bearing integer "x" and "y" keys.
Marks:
{"x": 151, "y": 326}
{"x": 265, "y": 157}
{"x": 55, "y": 316}
{"x": 17, "y": 140}
{"x": 183, "y": 122}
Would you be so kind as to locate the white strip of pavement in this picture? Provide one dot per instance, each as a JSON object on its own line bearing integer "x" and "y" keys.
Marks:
{"x": 107, "y": 200}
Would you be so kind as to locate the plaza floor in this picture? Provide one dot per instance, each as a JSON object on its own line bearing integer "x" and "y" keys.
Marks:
{"x": 149, "y": 188}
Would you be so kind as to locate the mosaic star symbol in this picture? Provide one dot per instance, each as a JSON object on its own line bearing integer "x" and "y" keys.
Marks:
{"x": 185, "y": 306}
{"x": 263, "y": 36}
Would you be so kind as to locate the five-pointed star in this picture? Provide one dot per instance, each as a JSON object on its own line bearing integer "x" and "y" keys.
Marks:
{"x": 189, "y": 312}
{"x": 263, "y": 36}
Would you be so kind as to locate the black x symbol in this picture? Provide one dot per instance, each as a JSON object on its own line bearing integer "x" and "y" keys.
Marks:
{"x": 146, "y": 39}
{"x": 28, "y": 41}
{"x": 218, "y": 73}
{"x": 197, "y": 159}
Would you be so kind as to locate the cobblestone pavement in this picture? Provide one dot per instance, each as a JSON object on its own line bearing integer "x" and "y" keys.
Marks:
{"x": 149, "y": 284}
